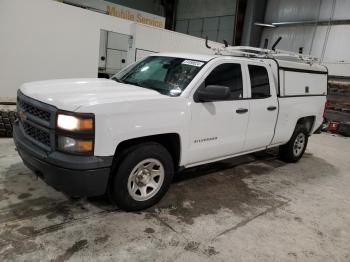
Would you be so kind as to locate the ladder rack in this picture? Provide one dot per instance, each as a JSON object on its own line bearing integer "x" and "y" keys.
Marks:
{"x": 253, "y": 52}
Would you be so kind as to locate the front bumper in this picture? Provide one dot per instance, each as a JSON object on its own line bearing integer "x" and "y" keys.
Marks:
{"x": 73, "y": 175}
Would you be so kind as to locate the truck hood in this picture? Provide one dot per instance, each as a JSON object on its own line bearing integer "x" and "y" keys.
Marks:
{"x": 71, "y": 94}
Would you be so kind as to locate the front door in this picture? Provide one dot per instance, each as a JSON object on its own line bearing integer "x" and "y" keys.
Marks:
{"x": 218, "y": 128}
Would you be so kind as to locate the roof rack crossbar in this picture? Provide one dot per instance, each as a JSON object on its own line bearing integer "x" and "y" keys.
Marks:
{"x": 255, "y": 52}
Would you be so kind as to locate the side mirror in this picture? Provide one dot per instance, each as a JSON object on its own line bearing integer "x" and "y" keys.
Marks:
{"x": 213, "y": 93}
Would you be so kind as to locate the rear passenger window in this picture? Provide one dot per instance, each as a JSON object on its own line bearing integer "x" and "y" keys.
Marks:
{"x": 229, "y": 75}
{"x": 259, "y": 80}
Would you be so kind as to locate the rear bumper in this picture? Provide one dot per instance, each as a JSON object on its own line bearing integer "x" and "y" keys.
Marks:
{"x": 73, "y": 175}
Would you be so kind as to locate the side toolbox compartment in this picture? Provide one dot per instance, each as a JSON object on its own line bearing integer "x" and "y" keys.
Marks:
{"x": 303, "y": 83}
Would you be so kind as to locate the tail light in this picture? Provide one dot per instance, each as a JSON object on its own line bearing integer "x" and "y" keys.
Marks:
{"x": 333, "y": 127}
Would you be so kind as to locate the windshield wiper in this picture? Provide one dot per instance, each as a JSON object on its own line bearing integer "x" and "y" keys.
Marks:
{"x": 126, "y": 82}
{"x": 117, "y": 80}
{"x": 132, "y": 83}
{"x": 159, "y": 90}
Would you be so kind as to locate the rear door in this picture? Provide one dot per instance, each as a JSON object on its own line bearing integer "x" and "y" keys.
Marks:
{"x": 263, "y": 107}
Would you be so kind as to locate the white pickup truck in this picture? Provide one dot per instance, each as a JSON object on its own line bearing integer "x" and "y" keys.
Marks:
{"x": 127, "y": 136}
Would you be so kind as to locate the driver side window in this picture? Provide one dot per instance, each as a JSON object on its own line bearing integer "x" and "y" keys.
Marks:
{"x": 229, "y": 75}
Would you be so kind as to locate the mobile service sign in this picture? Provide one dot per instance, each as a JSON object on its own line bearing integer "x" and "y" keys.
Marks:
{"x": 120, "y": 11}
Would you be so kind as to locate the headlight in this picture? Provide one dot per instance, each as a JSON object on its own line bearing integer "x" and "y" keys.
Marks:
{"x": 75, "y": 123}
{"x": 73, "y": 145}
{"x": 75, "y": 132}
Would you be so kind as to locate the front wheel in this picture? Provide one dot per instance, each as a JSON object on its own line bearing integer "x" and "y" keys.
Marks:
{"x": 142, "y": 178}
{"x": 295, "y": 148}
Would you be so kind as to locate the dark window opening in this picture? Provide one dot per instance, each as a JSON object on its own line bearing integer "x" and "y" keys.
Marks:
{"x": 259, "y": 80}
{"x": 229, "y": 75}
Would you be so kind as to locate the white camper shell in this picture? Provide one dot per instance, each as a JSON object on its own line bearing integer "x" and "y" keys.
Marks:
{"x": 300, "y": 78}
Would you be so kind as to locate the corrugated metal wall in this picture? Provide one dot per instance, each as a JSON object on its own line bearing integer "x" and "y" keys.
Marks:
{"x": 201, "y": 18}
{"x": 301, "y": 10}
{"x": 330, "y": 43}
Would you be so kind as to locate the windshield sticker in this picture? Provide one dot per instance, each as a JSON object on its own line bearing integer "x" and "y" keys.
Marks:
{"x": 192, "y": 63}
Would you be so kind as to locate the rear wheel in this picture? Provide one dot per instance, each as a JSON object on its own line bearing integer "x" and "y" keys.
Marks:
{"x": 142, "y": 177}
{"x": 295, "y": 148}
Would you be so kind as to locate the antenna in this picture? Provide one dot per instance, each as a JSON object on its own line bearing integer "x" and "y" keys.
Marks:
{"x": 266, "y": 43}
{"x": 276, "y": 43}
{"x": 206, "y": 43}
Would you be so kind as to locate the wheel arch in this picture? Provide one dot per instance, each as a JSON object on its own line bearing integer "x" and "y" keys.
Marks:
{"x": 308, "y": 122}
{"x": 171, "y": 141}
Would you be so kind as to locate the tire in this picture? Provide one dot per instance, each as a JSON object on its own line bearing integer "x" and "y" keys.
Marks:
{"x": 137, "y": 181}
{"x": 344, "y": 129}
{"x": 7, "y": 118}
{"x": 295, "y": 148}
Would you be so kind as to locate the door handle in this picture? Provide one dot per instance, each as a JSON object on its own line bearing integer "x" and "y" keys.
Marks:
{"x": 272, "y": 108}
{"x": 241, "y": 110}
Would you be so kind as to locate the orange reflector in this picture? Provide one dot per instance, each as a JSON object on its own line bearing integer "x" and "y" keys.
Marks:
{"x": 84, "y": 146}
{"x": 85, "y": 124}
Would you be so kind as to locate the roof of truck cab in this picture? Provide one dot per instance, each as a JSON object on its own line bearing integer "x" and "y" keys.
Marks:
{"x": 282, "y": 63}
{"x": 191, "y": 56}
{"x": 201, "y": 57}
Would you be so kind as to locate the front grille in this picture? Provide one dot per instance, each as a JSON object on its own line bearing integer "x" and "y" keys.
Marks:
{"x": 37, "y": 121}
{"x": 42, "y": 114}
{"x": 37, "y": 134}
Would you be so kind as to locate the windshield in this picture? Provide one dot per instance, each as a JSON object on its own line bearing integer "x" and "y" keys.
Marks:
{"x": 167, "y": 75}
